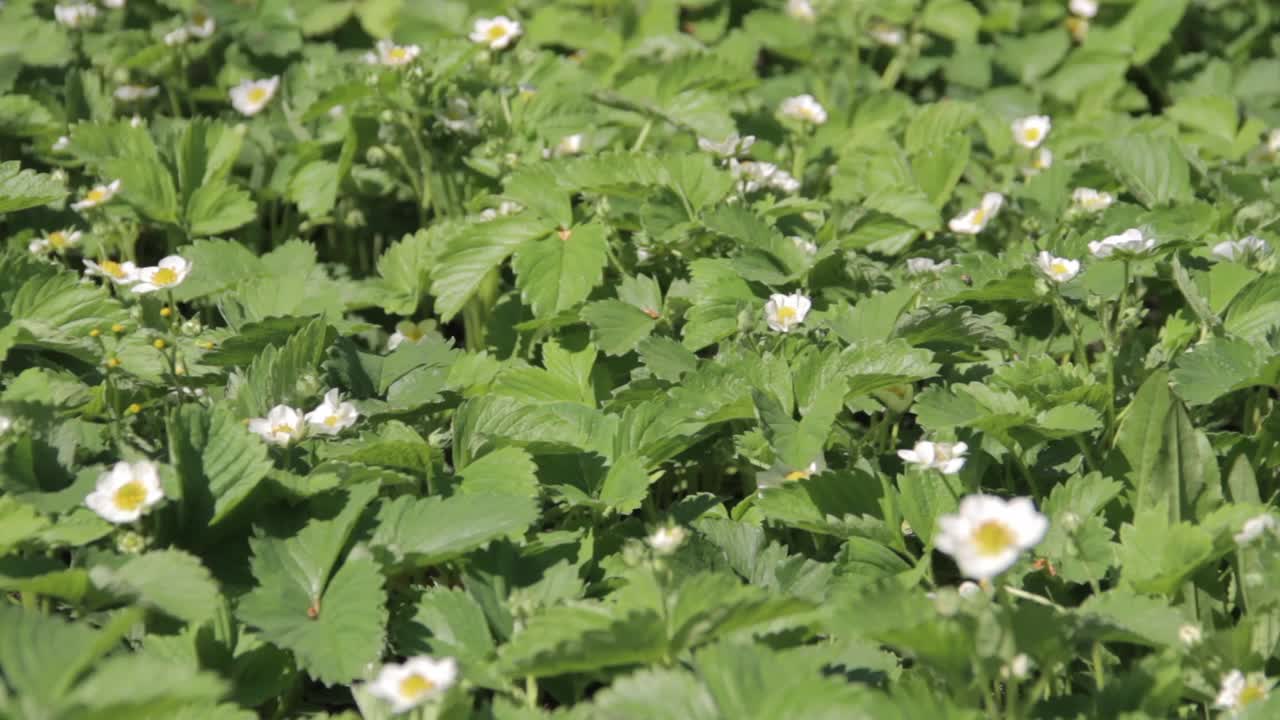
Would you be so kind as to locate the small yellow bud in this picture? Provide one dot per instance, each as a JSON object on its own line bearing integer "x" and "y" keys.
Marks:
{"x": 205, "y": 345}
{"x": 117, "y": 328}
{"x": 158, "y": 344}
{"x": 133, "y": 409}
{"x": 166, "y": 311}
{"x": 180, "y": 370}
{"x": 95, "y": 332}
{"x": 113, "y": 362}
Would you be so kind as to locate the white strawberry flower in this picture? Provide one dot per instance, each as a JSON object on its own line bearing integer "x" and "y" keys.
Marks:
{"x": 1242, "y": 249}
{"x": 753, "y": 176}
{"x": 1190, "y": 635}
{"x": 283, "y": 425}
{"x": 1030, "y": 131}
{"x": 1273, "y": 141}
{"x": 125, "y": 492}
{"x": 972, "y": 221}
{"x": 1042, "y": 160}
{"x": 1057, "y": 269}
{"x": 125, "y": 273}
{"x": 805, "y": 246}
{"x": 251, "y": 96}
{"x": 333, "y": 415}
{"x": 665, "y": 540}
{"x": 1091, "y": 200}
{"x": 168, "y": 274}
{"x": 393, "y": 55}
{"x": 1129, "y": 242}
{"x": 569, "y": 145}
{"x": 58, "y": 241}
{"x": 784, "y": 312}
{"x": 134, "y": 93}
{"x": 947, "y": 458}
{"x": 1084, "y": 8}
{"x": 732, "y": 146}
{"x": 97, "y": 195}
{"x": 75, "y": 15}
{"x": 924, "y": 265}
{"x": 408, "y": 331}
{"x": 177, "y": 36}
{"x": 414, "y": 682}
{"x": 781, "y": 474}
{"x": 968, "y": 588}
{"x": 1238, "y": 691}
{"x": 886, "y": 34}
{"x": 458, "y": 117}
{"x": 803, "y": 108}
{"x": 136, "y": 121}
{"x": 1256, "y": 527}
{"x": 201, "y": 24}
{"x": 497, "y": 33}
{"x": 62, "y": 144}
{"x": 113, "y": 4}
{"x": 801, "y": 10}
{"x": 987, "y": 534}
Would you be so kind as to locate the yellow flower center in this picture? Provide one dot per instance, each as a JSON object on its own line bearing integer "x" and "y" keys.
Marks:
{"x": 282, "y": 429}
{"x": 1059, "y": 268}
{"x": 96, "y": 195}
{"x": 414, "y": 333}
{"x": 58, "y": 240}
{"x": 798, "y": 475}
{"x": 415, "y": 686}
{"x": 331, "y": 421}
{"x": 112, "y": 268}
{"x": 257, "y": 94}
{"x": 164, "y": 276}
{"x": 130, "y": 496}
{"x": 979, "y": 215}
{"x": 1032, "y": 134}
{"x": 397, "y": 54}
{"x": 992, "y": 537}
{"x": 496, "y": 32}
{"x": 786, "y": 313}
{"x": 1251, "y": 694}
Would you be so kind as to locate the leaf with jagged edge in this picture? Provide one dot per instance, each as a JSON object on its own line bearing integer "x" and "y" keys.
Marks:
{"x": 421, "y": 532}
{"x": 217, "y": 460}
{"x": 476, "y": 251}
{"x": 556, "y": 272}
{"x": 172, "y": 581}
{"x": 22, "y": 189}
{"x": 273, "y": 376}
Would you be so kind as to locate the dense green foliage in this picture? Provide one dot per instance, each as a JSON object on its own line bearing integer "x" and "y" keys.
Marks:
{"x": 639, "y": 359}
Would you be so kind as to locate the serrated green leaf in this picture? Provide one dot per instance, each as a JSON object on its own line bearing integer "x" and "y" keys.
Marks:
{"x": 171, "y": 581}
{"x": 22, "y": 189}
{"x": 421, "y": 532}
{"x": 617, "y": 326}
{"x": 557, "y": 272}
{"x": 472, "y": 254}
{"x": 218, "y": 462}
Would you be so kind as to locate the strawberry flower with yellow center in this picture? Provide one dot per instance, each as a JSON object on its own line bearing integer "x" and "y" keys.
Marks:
{"x": 803, "y": 108}
{"x": 987, "y": 534}
{"x": 283, "y": 425}
{"x": 781, "y": 473}
{"x": 974, "y": 220}
{"x": 168, "y": 274}
{"x": 58, "y": 241}
{"x": 1030, "y": 131}
{"x": 120, "y": 273}
{"x": 419, "y": 679}
{"x": 97, "y": 195}
{"x": 392, "y": 55}
{"x": 1238, "y": 691}
{"x": 125, "y": 492}
{"x": 497, "y": 33}
{"x": 333, "y": 415}
{"x": 1057, "y": 269}
{"x": 784, "y": 312}
{"x": 251, "y": 96}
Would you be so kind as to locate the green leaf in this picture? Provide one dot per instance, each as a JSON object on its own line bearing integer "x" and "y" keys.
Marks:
{"x": 273, "y": 376}
{"x": 472, "y": 254}
{"x": 22, "y": 189}
{"x": 1222, "y": 365}
{"x": 218, "y": 208}
{"x": 335, "y": 636}
{"x": 218, "y": 463}
{"x": 634, "y": 696}
{"x": 1172, "y": 464}
{"x": 617, "y": 327}
{"x": 315, "y": 188}
{"x": 1151, "y": 166}
{"x": 666, "y": 358}
{"x": 557, "y": 272}
{"x": 128, "y": 154}
{"x": 114, "y": 690}
{"x": 698, "y": 182}
{"x": 171, "y": 581}
{"x": 1157, "y": 556}
{"x": 954, "y": 19}
{"x": 506, "y": 471}
{"x": 421, "y": 532}
{"x": 626, "y": 485}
